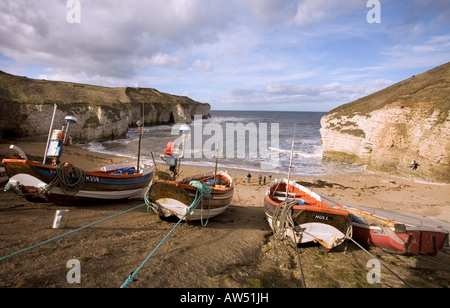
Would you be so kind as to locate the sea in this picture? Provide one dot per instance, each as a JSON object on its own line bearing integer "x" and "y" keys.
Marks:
{"x": 259, "y": 142}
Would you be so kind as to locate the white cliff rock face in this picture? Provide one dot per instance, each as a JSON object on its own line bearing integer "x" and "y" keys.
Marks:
{"x": 414, "y": 125}
{"x": 26, "y": 106}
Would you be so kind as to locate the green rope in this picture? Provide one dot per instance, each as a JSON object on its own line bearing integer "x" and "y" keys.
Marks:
{"x": 68, "y": 233}
{"x": 205, "y": 191}
{"x": 147, "y": 199}
{"x": 202, "y": 191}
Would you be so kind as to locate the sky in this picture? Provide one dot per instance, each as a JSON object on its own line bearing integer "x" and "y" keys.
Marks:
{"x": 287, "y": 55}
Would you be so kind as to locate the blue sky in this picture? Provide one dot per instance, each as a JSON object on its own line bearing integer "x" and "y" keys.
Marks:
{"x": 300, "y": 55}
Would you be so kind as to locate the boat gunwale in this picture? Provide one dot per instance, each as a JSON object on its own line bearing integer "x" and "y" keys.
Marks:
{"x": 145, "y": 171}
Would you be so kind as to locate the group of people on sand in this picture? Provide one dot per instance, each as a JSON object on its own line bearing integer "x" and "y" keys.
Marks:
{"x": 260, "y": 178}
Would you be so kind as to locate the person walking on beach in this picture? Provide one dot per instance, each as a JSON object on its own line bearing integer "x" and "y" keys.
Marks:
{"x": 260, "y": 178}
{"x": 414, "y": 165}
{"x": 248, "y": 177}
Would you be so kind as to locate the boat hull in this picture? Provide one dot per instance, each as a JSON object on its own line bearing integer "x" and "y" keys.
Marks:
{"x": 402, "y": 233}
{"x": 173, "y": 198}
{"x": 414, "y": 241}
{"x": 29, "y": 178}
{"x": 312, "y": 222}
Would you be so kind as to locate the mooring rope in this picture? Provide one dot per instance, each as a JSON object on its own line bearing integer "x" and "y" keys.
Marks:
{"x": 202, "y": 191}
{"x": 396, "y": 275}
{"x": 300, "y": 265}
{"x": 63, "y": 172}
{"x": 68, "y": 233}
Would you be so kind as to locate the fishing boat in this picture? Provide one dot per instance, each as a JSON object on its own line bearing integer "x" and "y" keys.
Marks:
{"x": 173, "y": 198}
{"x": 394, "y": 231}
{"x": 64, "y": 184}
{"x": 293, "y": 210}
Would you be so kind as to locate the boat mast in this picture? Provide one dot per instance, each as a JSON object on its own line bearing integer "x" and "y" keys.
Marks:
{"x": 290, "y": 166}
{"x": 217, "y": 158}
{"x": 49, "y": 133}
{"x": 141, "y": 132}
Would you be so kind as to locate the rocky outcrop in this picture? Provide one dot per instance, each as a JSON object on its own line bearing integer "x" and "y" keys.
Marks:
{"x": 388, "y": 129}
{"x": 26, "y": 106}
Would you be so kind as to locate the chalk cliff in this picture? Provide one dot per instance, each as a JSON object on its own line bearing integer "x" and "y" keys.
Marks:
{"x": 390, "y": 128}
{"x": 26, "y": 108}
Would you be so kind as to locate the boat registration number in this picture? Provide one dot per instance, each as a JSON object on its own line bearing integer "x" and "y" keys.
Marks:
{"x": 323, "y": 217}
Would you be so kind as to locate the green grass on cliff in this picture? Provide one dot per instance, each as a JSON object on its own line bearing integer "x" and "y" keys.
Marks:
{"x": 33, "y": 91}
{"x": 428, "y": 91}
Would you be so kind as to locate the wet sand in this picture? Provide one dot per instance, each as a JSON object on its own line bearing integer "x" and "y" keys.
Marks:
{"x": 235, "y": 250}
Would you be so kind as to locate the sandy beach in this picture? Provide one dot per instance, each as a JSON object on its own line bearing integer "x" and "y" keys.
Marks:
{"x": 235, "y": 250}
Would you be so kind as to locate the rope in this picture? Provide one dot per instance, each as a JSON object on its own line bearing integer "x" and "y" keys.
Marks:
{"x": 282, "y": 221}
{"x": 300, "y": 265}
{"x": 404, "y": 281}
{"x": 68, "y": 233}
{"x": 63, "y": 172}
{"x": 147, "y": 199}
{"x": 202, "y": 191}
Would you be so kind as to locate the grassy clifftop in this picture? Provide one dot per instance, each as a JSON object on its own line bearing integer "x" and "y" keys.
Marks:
{"x": 35, "y": 91}
{"x": 431, "y": 87}
{"x": 102, "y": 112}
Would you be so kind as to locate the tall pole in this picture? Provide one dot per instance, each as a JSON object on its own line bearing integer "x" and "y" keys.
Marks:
{"x": 141, "y": 129}
{"x": 49, "y": 133}
{"x": 290, "y": 166}
{"x": 141, "y": 132}
{"x": 217, "y": 158}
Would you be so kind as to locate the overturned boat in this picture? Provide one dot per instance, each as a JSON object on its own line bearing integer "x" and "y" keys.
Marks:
{"x": 173, "y": 198}
{"x": 298, "y": 213}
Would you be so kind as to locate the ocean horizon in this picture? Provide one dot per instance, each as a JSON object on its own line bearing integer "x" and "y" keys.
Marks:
{"x": 259, "y": 142}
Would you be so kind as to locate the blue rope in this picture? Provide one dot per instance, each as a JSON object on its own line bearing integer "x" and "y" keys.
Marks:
{"x": 202, "y": 191}
{"x": 68, "y": 233}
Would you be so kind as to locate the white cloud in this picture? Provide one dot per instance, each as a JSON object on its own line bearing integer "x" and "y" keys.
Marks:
{"x": 319, "y": 52}
{"x": 162, "y": 59}
{"x": 201, "y": 65}
{"x": 297, "y": 96}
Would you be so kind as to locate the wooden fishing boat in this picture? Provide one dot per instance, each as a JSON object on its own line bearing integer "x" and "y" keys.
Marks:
{"x": 173, "y": 198}
{"x": 311, "y": 220}
{"x": 402, "y": 233}
{"x": 64, "y": 184}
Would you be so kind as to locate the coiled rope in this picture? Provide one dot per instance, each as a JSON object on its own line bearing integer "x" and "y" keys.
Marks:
{"x": 282, "y": 219}
{"x": 63, "y": 174}
{"x": 202, "y": 191}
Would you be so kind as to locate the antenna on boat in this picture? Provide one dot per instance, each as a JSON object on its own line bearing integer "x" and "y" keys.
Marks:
{"x": 290, "y": 165}
{"x": 49, "y": 133}
{"x": 185, "y": 131}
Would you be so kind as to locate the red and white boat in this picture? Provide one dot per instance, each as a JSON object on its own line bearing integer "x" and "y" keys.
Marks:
{"x": 311, "y": 219}
{"x": 393, "y": 231}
